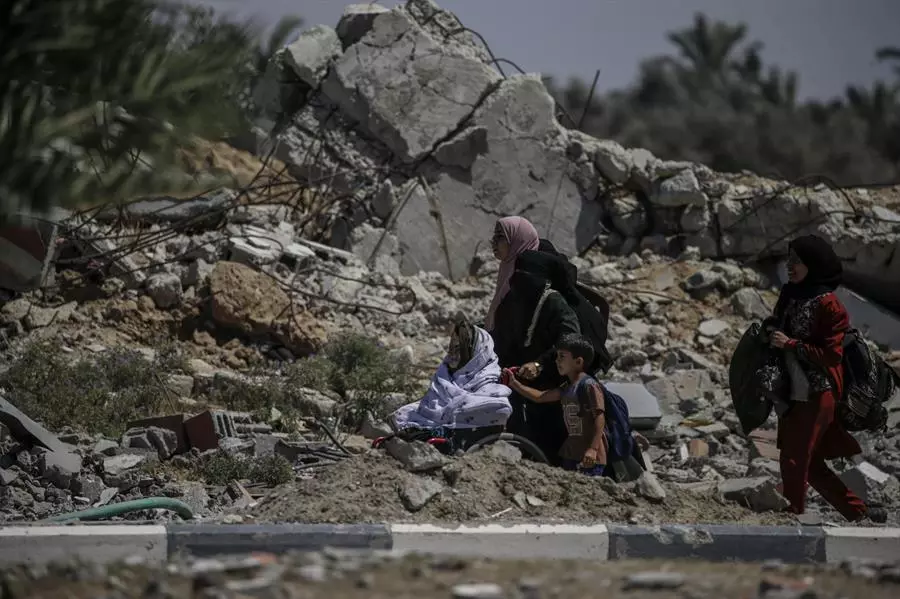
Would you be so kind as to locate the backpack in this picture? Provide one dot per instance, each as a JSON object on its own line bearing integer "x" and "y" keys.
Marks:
{"x": 593, "y": 318}
{"x": 618, "y": 428}
{"x": 591, "y": 309}
{"x": 869, "y": 382}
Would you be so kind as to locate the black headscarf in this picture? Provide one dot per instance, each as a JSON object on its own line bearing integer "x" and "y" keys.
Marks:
{"x": 825, "y": 271}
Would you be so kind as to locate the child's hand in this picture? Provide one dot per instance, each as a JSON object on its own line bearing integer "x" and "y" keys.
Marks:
{"x": 590, "y": 458}
{"x": 508, "y": 378}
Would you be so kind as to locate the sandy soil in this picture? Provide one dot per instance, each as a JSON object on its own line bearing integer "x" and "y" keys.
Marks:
{"x": 313, "y": 577}
{"x": 486, "y": 487}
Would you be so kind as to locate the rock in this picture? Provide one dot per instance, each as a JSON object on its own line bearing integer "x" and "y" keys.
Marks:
{"x": 682, "y": 189}
{"x": 504, "y": 451}
{"x": 713, "y": 328}
{"x": 655, "y": 581}
{"x": 106, "y": 447}
{"x": 244, "y": 299}
{"x": 613, "y": 161}
{"x": 181, "y": 385}
{"x": 165, "y": 290}
{"x": 59, "y": 468}
{"x": 39, "y": 318}
{"x": 679, "y": 386}
{"x": 416, "y": 456}
{"x": 8, "y": 477}
{"x": 649, "y": 488}
{"x": 872, "y": 485}
{"x": 478, "y": 590}
{"x": 748, "y": 303}
{"x": 310, "y": 56}
{"x": 702, "y": 282}
{"x": 357, "y": 21}
{"x": 310, "y": 402}
{"x": 643, "y": 407}
{"x": 417, "y": 491}
{"x": 374, "y": 429}
{"x": 758, "y": 494}
{"x": 88, "y": 486}
{"x": 250, "y": 302}
{"x": 197, "y": 273}
{"x": 716, "y": 430}
{"x": 116, "y": 465}
{"x": 605, "y": 274}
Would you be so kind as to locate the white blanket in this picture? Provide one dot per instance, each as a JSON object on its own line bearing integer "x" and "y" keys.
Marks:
{"x": 469, "y": 398}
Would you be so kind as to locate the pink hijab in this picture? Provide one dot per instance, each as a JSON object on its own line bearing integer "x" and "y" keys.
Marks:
{"x": 522, "y": 236}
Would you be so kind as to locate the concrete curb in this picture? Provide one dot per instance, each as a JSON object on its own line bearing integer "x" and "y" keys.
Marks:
{"x": 105, "y": 543}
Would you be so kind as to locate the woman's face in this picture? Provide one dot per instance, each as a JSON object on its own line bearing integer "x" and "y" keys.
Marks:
{"x": 499, "y": 244}
{"x": 454, "y": 352}
{"x": 797, "y": 271}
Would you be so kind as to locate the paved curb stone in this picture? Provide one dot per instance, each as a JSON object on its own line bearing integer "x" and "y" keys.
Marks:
{"x": 210, "y": 539}
{"x": 104, "y": 542}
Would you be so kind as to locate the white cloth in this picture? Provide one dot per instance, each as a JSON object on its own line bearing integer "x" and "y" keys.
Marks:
{"x": 471, "y": 397}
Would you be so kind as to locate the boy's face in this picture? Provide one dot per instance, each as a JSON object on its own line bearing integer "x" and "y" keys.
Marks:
{"x": 567, "y": 365}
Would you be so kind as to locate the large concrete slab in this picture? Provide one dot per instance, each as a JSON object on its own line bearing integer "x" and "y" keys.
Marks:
{"x": 25, "y": 429}
{"x": 205, "y": 540}
{"x": 717, "y": 543}
{"x": 643, "y": 407}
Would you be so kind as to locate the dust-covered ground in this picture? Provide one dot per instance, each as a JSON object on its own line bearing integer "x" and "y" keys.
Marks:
{"x": 347, "y": 576}
{"x": 485, "y": 486}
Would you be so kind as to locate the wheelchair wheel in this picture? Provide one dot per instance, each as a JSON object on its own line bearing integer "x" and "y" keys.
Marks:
{"x": 529, "y": 449}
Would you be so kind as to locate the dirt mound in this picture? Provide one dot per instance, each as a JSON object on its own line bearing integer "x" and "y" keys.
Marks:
{"x": 483, "y": 486}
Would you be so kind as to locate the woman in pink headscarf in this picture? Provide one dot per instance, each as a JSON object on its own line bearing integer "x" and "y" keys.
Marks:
{"x": 526, "y": 322}
{"x": 512, "y": 236}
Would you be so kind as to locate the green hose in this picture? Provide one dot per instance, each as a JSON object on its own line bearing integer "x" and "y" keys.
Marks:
{"x": 118, "y": 509}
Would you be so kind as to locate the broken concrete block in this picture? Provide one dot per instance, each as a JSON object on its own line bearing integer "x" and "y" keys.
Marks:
{"x": 118, "y": 464}
{"x": 7, "y": 476}
{"x": 643, "y": 408}
{"x": 38, "y": 317}
{"x": 504, "y": 451}
{"x": 682, "y": 189}
{"x": 89, "y": 486}
{"x": 716, "y": 430}
{"x": 650, "y": 488}
{"x": 165, "y": 290}
{"x": 758, "y": 494}
{"x": 871, "y": 484}
{"x": 172, "y": 422}
{"x": 417, "y": 491}
{"x": 713, "y": 328}
{"x": 697, "y": 448}
{"x": 406, "y": 88}
{"x": 417, "y": 456}
{"x": 748, "y": 303}
{"x": 311, "y": 54}
{"x": 357, "y": 21}
{"x": 59, "y": 468}
{"x": 27, "y": 431}
{"x": 181, "y": 385}
{"x": 679, "y": 386}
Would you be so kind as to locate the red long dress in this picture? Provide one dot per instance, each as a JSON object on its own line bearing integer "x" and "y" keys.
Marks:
{"x": 809, "y": 433}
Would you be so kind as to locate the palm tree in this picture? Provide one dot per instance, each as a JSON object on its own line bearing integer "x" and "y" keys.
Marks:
{"x": 891, "y": 53}
{"x": 96, "y": 95}
{"x": 708, "y": 47}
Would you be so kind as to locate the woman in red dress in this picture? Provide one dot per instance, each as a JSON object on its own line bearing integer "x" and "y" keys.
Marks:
{"x": 809, "y": 321}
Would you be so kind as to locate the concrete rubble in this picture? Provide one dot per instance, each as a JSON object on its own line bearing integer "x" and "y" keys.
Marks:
{"x": 430, "y": 144}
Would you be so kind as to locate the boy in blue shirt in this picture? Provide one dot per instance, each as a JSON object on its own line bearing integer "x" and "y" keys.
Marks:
{"x": 584, "y": 407}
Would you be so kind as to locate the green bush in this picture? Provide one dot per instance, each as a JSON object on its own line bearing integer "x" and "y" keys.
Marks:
{"x": 222, "y": 468}
{"x": 99, "y": 394}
